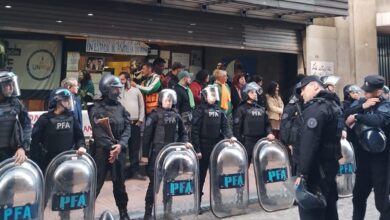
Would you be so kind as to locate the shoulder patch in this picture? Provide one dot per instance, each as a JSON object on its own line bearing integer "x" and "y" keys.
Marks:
{"x": 312, "y": 123}
{"x": 236, "y": 120}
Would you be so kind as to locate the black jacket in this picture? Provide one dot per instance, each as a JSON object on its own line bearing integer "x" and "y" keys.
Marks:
{"x": 377, "y": 116}
{"x": 119, "y": 122}
{"x": 171, "y": 80}
{"x": 183, "y": 100}
{"x": 236, "y": 100}
{"x": 24, "y": 125}
{"x": 197, "y": 125}
{"x": 239, "y": 119}
{"x": 320, "y": 132}
{"x": 155, "y": 131}
{"x": 46, "y": 144}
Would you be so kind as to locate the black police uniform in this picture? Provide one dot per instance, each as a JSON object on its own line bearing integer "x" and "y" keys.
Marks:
{"x": 160, "y": 130}
{"x": 15, "y": 127}
{"x": 209, "y": 126}
{"x": 290, "y": 129}
{"x": 120, "y": 127}
{"x": 372, "y": 168}
{"x": 319, "y": 152}
{"x": 250, "y": 124}
{"x": 53, "y": 134}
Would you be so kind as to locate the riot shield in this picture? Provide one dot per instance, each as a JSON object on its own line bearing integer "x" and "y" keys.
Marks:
{"x": 70, "y": 187}
{"x": 176, "y": 180}
{"x": 347, "y": 166}
{"x": 21, "y": 191}
{"x": 229, "y": 188}
{"x": 272, "y": 171}
{"x": 106, "y": 216}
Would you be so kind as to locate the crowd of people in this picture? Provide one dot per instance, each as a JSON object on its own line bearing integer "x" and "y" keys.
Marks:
{"x": 200, "y": 113}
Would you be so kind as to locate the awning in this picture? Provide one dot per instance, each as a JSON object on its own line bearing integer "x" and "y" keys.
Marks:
{"x": 146, "y": 23}
{"x": 292, "y": 10}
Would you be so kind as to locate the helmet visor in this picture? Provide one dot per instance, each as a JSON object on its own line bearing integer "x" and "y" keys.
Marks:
{"x": 210, "y": 94}
{"x": 9, "y": 86}
{"x": 168, "y": 98}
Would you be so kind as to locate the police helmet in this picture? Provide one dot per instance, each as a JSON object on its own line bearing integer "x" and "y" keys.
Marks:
{"x": 108, "y": 85}
{"x": 308, "y": 200}
{"x": 61, "y": 94}
{"x": 9, "y": 84}
{"x": 373, "y": 140}
{"x": 167, "y": 94}
{"x": 252, "y": 86}
{"x": 210, "y": 92}
{"x": 330, "y": 80}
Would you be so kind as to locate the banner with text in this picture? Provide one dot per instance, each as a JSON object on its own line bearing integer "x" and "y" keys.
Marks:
{"x": 113, "y": 46}
{"x": 36, "y": 62}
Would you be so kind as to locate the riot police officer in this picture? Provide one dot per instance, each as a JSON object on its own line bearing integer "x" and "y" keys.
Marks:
{"x": 351, "y": 94}
{"x": 319, "y": 149}
{"x": 111, "y": 132}
{"x": 15, "y": 124}
{"x": 250, "y": 121}
{"x": 57, "y": 130}
{"x": 290, "y": 127}
{"x": 209, "y": 126}
{"x": 370, "y": 118}
{"x": 160, "y": 130}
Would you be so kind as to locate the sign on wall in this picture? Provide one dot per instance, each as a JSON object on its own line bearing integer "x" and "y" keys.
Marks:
{"x": 36, "y": 62}
{"x": 322, "y": 68}
{"x": 73, "y": 60}
{"x": 114, "y": 46}
{"x": 183, "y": 58}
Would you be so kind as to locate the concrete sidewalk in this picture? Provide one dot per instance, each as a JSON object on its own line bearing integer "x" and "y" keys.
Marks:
{"x": 136, "y": 190}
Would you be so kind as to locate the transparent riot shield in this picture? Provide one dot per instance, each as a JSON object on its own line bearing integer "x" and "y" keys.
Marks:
{"x": 70, "y": 187}
{"x": 21, "y": 191}
{"x": 272, "y": 171}
{"x": 347, "y": 166}
{"x": 106, "y": 216}
{"x": 229, "y": 188}
{"x": 176, "y": 178}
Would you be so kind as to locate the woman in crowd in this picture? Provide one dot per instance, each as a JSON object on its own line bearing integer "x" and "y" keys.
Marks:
{"x": 238, "y": 83}
{"x": 86, "y": 90}
{"x": 274, "y": 107}
{"x": 200, "y": 82}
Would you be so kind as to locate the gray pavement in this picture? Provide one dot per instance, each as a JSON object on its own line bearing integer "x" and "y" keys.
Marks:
{"x": 136, "y": 190}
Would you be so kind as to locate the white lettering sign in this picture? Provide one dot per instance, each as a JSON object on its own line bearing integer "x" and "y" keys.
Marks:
{"x": 113, "y": 46}
{"x": 322, "y": 68}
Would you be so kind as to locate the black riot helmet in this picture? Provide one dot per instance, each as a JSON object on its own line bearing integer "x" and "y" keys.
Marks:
{"x": 307, "y": 199}
{"x": 62, "y": 96}
{"x": 9, "y": 84}
{"x": 252, "y": 86}
{"x": 109, "y": 85}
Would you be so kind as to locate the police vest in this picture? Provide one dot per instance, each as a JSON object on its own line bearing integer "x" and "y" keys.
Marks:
{"x": 254, "y": 122}
{"x": 9, "y": 132}
{"x": 151, "y": 100}
{"x": 166, "y": 125}
{"x": 211, "y": 124}
{"x": 59, "y": 134}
